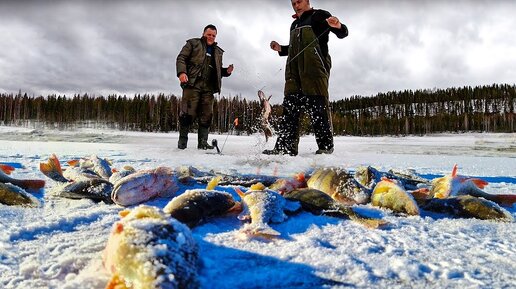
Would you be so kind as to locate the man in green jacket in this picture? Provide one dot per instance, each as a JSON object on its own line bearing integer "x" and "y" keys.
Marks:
{"x": 199, "y": 69}
{"x": 306, "y": 77}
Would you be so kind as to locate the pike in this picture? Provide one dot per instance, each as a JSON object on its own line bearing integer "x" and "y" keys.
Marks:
{"x": 266, "y": 112}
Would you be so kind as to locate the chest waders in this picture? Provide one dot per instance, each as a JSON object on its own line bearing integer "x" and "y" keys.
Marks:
{"x": 306, "y": 90}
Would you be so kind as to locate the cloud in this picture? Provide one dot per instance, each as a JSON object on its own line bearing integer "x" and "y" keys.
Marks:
{"x": 128, "y": 47}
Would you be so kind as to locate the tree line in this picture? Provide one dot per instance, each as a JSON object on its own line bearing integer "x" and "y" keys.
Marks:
{"x": 488, "y": 108}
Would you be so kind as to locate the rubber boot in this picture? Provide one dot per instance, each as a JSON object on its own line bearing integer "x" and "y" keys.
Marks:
{"x": 183, "y": 137}
{"x": 202, "y": 143}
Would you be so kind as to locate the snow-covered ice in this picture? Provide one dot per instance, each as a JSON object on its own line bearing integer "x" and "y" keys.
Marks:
{"x": 60, "y": 244}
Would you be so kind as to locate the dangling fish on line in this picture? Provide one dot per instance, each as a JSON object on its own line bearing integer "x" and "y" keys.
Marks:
{"x": 266, "y": 112}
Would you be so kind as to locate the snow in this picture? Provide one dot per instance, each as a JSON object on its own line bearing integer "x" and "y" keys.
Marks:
{"x": 60, "y": 244}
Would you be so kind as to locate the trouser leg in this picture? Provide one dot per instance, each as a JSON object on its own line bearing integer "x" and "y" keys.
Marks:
{"x": 318, "y": 109}
{"x": 205, "y": 114}
{"x": 288, "y": 138}
{"x": 187, "y": 114}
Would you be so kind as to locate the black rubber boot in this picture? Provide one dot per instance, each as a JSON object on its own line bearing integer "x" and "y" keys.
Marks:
{"x": 183, "y": 137}
{"x": 202, "y": 143}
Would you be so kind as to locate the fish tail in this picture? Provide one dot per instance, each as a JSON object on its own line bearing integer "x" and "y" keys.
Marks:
{"x": 53, "y": 165}
{"x": 213, "y": 183}
{"x": 7, "y": 169}
{"x": 454, "y": 170}
{"x": 370, "y": 223}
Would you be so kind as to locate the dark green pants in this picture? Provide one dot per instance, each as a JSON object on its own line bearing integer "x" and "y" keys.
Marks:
{"x": 196, "y": 103}
{"x": 318, "y": 109}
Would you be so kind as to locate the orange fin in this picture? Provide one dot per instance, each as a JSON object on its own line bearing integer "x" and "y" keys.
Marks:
{"x": 454, "y": 170}
{"x": 7, "y": 169}
{"x": 116, "y": 283}
{"x": 300, "y": 177}
{"x": 73, "y": 163}
{"x": 480, "y": 183}
{"x": 240, "y": 193}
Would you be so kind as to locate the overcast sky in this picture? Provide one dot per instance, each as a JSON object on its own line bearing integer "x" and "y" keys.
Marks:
{"x": 127, "y": 47}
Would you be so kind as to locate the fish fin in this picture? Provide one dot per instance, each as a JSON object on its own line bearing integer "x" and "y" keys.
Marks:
{"x": 384, "y": 178}
{"x": 237, "y": 208}
{"x": 114, "y": 170}
{"x": 240, "y": 193}
{"x": 213, "y": 183}
{"x": 32, "y": 184}
{"x": 53, "y": 164}
{"x": 300, "y": 177}
{"x": 370, "y": 223}
{"x": 454, "y": 170}
{"x": 503, "y": 200}
{"x": 260, "y": 230}
{"x": 481, "y": 184}
{"x": 73, "y": 163}
{"x": 116, "y": 283}
{"x": 7, "y": 169}
{"x": 420, "y": 194}
{"x": 257, "y": 186}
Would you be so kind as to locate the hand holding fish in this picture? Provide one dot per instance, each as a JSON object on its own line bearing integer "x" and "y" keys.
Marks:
{"x": 275, "y": 46}
{"x": 334, "y": 22}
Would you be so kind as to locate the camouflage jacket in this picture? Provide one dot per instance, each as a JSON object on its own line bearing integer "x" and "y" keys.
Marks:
{"x": 192, "y": 60}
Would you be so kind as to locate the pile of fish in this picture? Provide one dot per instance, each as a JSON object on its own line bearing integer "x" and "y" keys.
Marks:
{"x": 135, "y": 255}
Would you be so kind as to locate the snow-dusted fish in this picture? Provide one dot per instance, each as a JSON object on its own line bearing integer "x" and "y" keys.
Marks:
{"x": 389, "y": 194}
{"x": 118, "y": 174}
{"x": 266, "y": 112}
{"x": 262, "y": 207}
{"x": 96, "y": 189}
{"x": 194, "y": 206}
{"x": 456, "y": 185}
{"x": 318, "y": 203}
{"x": 340, "y": 185}
{"x": 12, "y": 195}
{"x": 149, "y": 250}
{"x": 145, "y": 185}
{"x": 469, "y": 207}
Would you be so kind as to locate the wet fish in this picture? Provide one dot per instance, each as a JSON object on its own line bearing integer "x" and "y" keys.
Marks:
{"x": 456, "y": 185}
{"x": 289, "y": 184}
{"x": 149, "y": 250}
{"x": 469, "y": 207}
{"x": 318, "y": 202}
{"x": 28, "y": 184}
{"x": 12, "y": 195}
{"x": 262, "y": 207}
{"x": 145, "y": 185}
{"x": 96, "y": 189}
{"x": 340, "y": 185}
{"x": 194, "y": 206}
{"x": 369, "y": 176}
{"x": 389, "y": 194}
{"x": 266, "y": 112}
